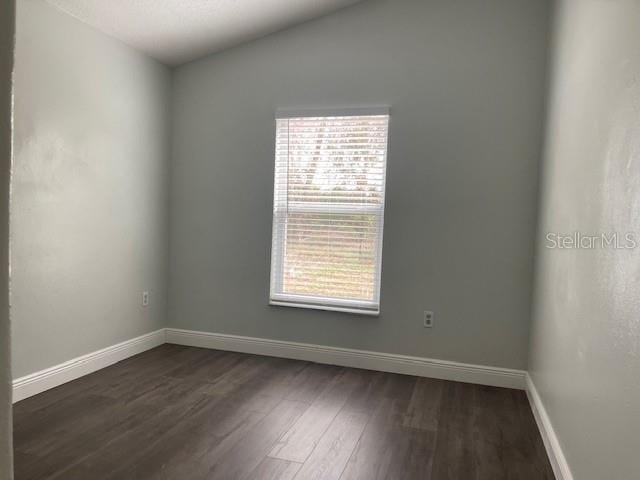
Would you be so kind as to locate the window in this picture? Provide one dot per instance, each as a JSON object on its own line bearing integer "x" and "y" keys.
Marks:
{"x": 328, "y": 210}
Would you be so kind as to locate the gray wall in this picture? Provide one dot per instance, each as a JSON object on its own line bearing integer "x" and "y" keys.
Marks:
{"x": 7, "y": 24}
{"x": 90, "y": 190}
{"x": 465, "y": 80}
{"x": 585, "y": 347}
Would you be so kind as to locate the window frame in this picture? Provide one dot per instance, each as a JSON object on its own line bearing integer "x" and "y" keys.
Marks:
{"x": 362, "y": 307}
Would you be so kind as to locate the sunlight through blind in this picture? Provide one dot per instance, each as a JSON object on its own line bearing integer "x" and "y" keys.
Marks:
{"x": 328, "y": 211}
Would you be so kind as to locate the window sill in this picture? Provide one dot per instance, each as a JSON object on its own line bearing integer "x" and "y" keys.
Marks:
{"x": 329, "y": 308}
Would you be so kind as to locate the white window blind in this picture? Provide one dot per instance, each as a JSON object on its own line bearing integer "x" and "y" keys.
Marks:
{"x": 328, "y": 211}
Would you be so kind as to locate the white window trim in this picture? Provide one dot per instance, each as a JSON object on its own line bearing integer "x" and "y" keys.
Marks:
{"x": 322, "y": 303}
{"x": 330, "y": 303}
{"x": 300, "y": 112}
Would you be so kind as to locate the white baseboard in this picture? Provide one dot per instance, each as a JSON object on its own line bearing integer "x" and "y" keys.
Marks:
{"x": 385, "y": 362}
{"x": 43, "y": 380}
{"x": 552, "y": 444}
{"x": 38, "y": 382}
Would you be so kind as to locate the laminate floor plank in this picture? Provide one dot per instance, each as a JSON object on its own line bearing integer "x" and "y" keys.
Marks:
{"x": 368, "y": 393}
{"x": 240, "y": 462}
{"x": 298, "y": 443}
{"x": 55, "y": 419}
{"x": 480, "y": 436}
{"x": 387, "y": 450}
{"x": 312, "y": 381}
{"x": 23, "y": 409}
{"x": 275, "y": 469}
{"x": 86, "y": 434}
{"x": 424, "y": 408}
{"x": 208, "y": 368}
{"x": 251, "y": 369}
{"x": 183, "y": 413}
{"x": 28, "y": 466}
{"x": 190, "y": 449}
{"x": 331, "y": 454}
{"x": 270, "y": 388}
{"x": 141, "y": 439}
{"x": 146, "y": 366}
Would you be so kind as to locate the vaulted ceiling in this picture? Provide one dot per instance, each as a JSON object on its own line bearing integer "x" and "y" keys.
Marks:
{"x": 178, "y": 31}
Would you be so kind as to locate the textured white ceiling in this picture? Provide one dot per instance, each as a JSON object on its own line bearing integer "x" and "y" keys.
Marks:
{"x": 177, "y": 31}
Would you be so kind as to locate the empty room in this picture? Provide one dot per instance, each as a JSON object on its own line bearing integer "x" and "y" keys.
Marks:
{"x": 320, "y": 239}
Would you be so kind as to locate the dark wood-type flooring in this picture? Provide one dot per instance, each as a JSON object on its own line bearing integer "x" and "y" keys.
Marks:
{"x": 185, "y": 413}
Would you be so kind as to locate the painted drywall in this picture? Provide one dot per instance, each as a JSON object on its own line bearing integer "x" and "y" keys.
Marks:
{"x": 89, "y": 212}
{"x": 465, "y": 82}
{"x": 585, "y": 341}
{"x": 7, "y": 27}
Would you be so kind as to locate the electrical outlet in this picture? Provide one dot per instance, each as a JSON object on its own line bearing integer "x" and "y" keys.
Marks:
{"x": 428, "y": 319}
{"x": 145, "y": 299}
